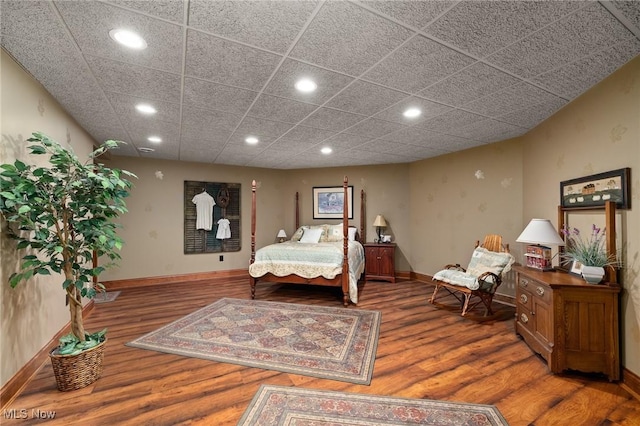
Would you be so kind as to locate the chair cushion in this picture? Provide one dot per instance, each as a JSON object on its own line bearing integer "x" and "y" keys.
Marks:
{"x": 459, "y": 278}
{"x": 484, "y": 260}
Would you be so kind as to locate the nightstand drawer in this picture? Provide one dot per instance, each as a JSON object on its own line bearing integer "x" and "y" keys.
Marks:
{"x": 535, "y": 288}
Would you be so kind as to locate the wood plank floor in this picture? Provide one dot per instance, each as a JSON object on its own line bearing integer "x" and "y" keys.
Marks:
{"x": 423, "y": 352}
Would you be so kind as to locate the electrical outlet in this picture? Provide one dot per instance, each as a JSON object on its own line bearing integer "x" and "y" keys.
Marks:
{"x": 221, "y": 258}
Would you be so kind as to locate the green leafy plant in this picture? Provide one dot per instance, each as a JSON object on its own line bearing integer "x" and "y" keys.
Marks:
{"x": 64, "y": 213}
{"x": 590, "y": 251}
{"x": 71, "y": 345}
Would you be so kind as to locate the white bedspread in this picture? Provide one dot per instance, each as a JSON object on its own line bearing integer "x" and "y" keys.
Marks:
{"x": 310, "y": 260}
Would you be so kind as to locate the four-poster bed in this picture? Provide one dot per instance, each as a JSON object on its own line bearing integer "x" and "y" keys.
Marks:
{"x": 336, "y": 259}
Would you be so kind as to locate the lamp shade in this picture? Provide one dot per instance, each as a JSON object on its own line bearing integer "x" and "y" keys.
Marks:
{"x": 282, "y": 234}
{"x": 380, "y": 221}
{"x": 540, "y": 231}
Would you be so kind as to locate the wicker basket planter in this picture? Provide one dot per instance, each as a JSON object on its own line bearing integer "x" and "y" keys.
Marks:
{"x": 77, "y": 371}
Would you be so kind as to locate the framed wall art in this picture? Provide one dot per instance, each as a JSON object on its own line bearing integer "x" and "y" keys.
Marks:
{"x": 593, "y": 191}
{"x": 328, "y": 202}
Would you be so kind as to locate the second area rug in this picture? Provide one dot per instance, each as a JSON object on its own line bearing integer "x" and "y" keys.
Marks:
{"x": 327, "y": 342}
{"x": 281, "y": 405}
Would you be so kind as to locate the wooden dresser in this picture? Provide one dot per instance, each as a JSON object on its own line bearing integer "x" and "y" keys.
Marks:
{"x": 379, "y": 261}
{"x": 571, "y": 324}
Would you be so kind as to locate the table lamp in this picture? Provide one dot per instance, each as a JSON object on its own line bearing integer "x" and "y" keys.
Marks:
{"x": 282, "y": 235}
{"x": 539, "y": 233}
{"x": 379, "y": 223}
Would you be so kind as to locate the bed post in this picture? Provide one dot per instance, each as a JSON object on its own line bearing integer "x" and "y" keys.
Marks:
{"x": 252, "y": 281}
{"x": 345, "y": 244}
{"x": 297, "y": 213}
{"x": 362, "y": 216}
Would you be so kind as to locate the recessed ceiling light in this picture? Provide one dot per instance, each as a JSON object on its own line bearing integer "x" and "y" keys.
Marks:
{"x": 251, "y": 140}
{"x": 145, "y": 149}
{"x": 128, "y": 38}
{"x": 412, "y": 113}
{"x": 146, "y": 109}
{"x": 305, "y": 85}
{"x": 326, "y": 150}
{"x": 154, "y": 139}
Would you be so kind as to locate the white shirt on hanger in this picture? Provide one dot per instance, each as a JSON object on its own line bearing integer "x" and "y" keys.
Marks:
{"x": 204, "y": 210}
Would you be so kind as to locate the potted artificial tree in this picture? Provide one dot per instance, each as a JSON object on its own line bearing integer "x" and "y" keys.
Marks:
{"x": 62, "y": 214}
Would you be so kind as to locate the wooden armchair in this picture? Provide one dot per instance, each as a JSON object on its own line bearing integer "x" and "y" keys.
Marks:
{"x": 478, "y": 282}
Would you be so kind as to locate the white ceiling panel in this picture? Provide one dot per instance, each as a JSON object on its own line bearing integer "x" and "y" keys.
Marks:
{"x": 219, "y": 71}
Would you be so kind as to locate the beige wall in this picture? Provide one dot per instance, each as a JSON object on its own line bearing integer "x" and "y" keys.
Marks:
{"x": 153, "y": 229}
{"x": 436, "y": 208}
{"x": 386, "y": 190}
{"x": 34, "y": 311}
{"x": 598, "y": 132}
{"x": 457, "y": 199}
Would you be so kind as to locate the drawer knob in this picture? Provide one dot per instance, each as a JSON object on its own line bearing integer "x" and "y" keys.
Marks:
{"x": 524, "y": 282}
{"x": 540, "y": 291}
{"x": 524, "y": 298}
{"x": 524, "y": 318}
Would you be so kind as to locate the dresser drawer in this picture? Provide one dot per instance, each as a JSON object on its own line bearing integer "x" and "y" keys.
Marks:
{"x": 535, "y": 288}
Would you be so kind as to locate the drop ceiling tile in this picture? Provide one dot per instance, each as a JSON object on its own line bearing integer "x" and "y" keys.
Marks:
{"x": 420, "y": 137}
{"x": 374, "y": 128}
{"x": 574, "y": 79}
{"x": 451, "y": 119}
{"x": 283, "y": 82}
{"x": 207, "y": 121}
{"x": 262, "y": 129}
{"x": 343, "y": 141}
{"x": 301, "y": 135}
{"x": 162, "y": 153}
{"x": 471, "y": 83}
{"x": 171, "y": 10}
{"x": 168, "y": 132}
{"x": 417, "y": 64}
{"x": 197, "y": 141}
{"x": 271, "y": 25}
{"x": 535, "y": 114}
{"x": 331, "y": 119}
{"x": 483, "y": 27}
{"x": 135, "y": 80}
{"x": 428, "y": 108}
{"x": 90, "y": 23}
{"x": 630, "y": 10}
{"x": 125, "y": 108}
{"x": 207, "y": 95}
{"x": 488, "y": 131}
{"x": 102, "y": 133}
{"x": 385, "y": 146}
{"x": 18, "y": 18}
{"x": 365, "y": 98}
{"x": 221, "y": 61}
{"x": 347, "y": 38}
{"x": 589, "y": 29}
{"x": 199, "y": 155}
{"x": 280, "y": 109}
{"x": 415, "y": 13}
{"x": 513, "y": 98}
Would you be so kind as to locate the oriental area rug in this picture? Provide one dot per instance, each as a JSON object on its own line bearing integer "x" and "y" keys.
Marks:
{"x": 327, "y": 342}
{"x": 281, "y": 405}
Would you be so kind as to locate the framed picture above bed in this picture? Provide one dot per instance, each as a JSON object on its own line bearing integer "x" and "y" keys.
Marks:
{"x": 328, "y": 202}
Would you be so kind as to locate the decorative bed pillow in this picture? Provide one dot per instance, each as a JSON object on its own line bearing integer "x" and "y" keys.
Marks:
{"x": 311, "y": 235}
{"x": 484, "y": 260}
{"x": 353, "y": 231}
{"x": 334, "y": 233}
{"x": 298, "y": 234}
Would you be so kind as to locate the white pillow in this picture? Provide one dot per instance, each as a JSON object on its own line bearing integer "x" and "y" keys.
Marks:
{"x": 352, "y": 233}
{"x": 311, "y": 235}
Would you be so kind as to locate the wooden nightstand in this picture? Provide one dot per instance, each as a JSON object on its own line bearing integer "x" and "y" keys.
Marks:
{"x": 380, "y": 261}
